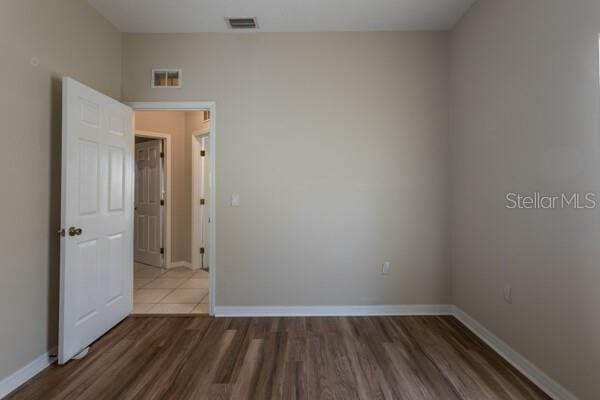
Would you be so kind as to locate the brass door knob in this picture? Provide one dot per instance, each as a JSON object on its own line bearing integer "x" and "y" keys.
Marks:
{"x": 75, "y": 231}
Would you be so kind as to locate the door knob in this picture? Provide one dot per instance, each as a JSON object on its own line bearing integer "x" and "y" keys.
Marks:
{"x": 75, "y": 231}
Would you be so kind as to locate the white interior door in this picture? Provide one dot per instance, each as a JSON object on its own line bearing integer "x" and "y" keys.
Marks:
{"x": 96, "y": 288}
{"x": 149, "y": 203}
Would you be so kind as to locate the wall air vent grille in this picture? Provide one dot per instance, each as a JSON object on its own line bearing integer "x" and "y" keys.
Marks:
{"x": 166, "y": 78}
{"x": 241, "y": 23}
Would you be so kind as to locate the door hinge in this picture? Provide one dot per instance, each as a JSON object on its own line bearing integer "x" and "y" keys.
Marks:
{"x": 202, "y": 153}
{"x": 162, "y": 250}
{"x": 201, "y": 250}
{"x": 162, "y": 202}
{"x": 162, "y": 154}
{"x": 202, "y": 201}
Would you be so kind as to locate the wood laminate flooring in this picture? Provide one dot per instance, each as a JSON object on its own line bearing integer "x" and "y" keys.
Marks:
{"x": 342, "y": 358}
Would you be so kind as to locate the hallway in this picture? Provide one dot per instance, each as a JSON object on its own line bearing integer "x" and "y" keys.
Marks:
{"x": 178, "y": 291}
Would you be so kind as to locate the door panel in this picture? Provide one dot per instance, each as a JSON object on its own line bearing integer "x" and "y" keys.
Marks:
{"x": 88, "y": 177}
{"x": 86, "y": 280}
{"x": 116, "y": 278}
{"x": 148, "y": 207}
{"x": 140, "y": 229}
{"x": 96, "y": 288}
{"x": 153, "y": 234}
{"x": 116, "y": 179}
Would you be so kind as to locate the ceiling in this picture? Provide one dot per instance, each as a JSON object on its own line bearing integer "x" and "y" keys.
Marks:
{"x": 168, "y": 16}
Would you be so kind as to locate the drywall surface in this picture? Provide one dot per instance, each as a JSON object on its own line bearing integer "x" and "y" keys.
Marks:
{"x": 40, "y": 42}
{"x": 337, "y": 146}
{"x": 525, "y": 106}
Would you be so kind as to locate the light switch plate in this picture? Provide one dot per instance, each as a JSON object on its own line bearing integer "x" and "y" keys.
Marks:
{"x": 235, "y": 200}
{"x": 385, "y": 268}
{"x": 508, "y": 295}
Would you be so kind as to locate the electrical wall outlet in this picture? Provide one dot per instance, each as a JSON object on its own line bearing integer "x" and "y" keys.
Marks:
{"x": 385, "y": 268}
{"x": 508, "y": 293}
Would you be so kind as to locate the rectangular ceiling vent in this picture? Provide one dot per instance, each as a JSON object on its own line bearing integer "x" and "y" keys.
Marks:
{"x": 241, "y": 23}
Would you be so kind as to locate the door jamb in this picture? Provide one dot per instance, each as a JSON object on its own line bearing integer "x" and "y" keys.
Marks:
{"x": 195, "y": 146}
{"x": 212, "y": 240}
{"x": 168, "y": 199}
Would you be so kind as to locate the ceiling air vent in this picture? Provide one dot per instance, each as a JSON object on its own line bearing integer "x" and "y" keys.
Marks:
{"x": 241, "y": 23}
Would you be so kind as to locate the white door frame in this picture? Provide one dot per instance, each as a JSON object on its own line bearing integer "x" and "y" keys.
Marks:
{"x": 166, "y": 137}
{"x": 195, "y": 148}
{"x": 212, "y": 239}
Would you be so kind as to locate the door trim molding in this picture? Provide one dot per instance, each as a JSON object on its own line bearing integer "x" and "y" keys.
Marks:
{"x": 212, "y": 240}
{"x": 168, "y": 168}
{"x": 195, "y": 201}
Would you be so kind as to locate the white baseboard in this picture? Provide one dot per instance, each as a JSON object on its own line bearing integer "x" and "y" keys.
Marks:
{"x": 176, "y": 264}
{"x": 18, "y": 378}
{"x": 332, "y": 311}
{"x": 543, "y": 381}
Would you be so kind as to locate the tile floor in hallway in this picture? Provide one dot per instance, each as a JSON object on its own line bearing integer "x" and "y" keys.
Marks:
{"x": 174, "y": 291}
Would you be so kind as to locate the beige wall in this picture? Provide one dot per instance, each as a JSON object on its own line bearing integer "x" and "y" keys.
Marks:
{"x": 330, "y": 193}
{"x": 358, "y": 177}
{"x": 180, "y": 125}
{"x": 525, "y": 101}
{"x": 69, "y": 38}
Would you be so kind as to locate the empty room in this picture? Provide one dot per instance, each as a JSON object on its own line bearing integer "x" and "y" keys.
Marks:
{"x": 317, "y": 199}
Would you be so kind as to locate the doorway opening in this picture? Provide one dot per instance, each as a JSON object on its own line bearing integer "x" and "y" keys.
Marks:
{"x": 172, "y": 212}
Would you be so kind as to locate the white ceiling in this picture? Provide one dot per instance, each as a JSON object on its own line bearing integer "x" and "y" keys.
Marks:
{"x": 283, "y": 15}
